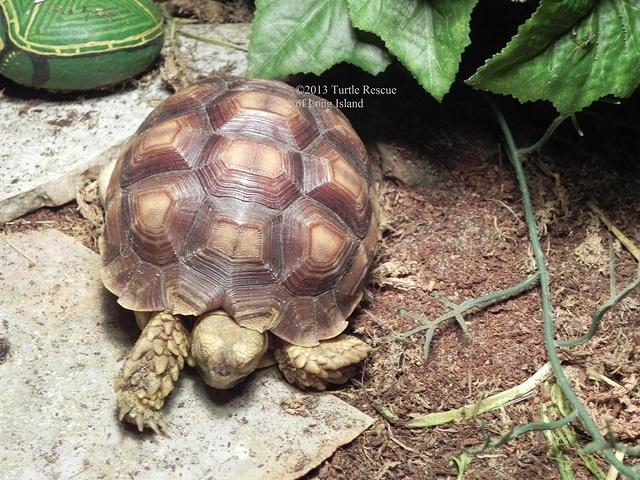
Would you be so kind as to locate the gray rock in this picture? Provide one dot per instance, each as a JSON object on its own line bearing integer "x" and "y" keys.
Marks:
{"x": 62, "y": 341}
{"x": 204, "y": 59}
{"x": 50, "y": 148}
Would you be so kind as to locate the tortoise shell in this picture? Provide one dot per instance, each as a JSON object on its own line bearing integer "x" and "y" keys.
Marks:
{"x": 244, "y": 195}
{"x": 77, "y": 44}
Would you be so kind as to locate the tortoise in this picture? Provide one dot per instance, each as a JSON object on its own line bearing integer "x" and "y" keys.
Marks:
{"x": 243, "y": 207}
{"x": 77, "y": 44}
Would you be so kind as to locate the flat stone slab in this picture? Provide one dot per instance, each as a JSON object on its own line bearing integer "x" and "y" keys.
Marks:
{"x": 62, "y": 342}
{"x": 53, "y": 144}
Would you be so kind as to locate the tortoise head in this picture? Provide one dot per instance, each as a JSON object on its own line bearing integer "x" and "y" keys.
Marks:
{"x": 225, "y": 352}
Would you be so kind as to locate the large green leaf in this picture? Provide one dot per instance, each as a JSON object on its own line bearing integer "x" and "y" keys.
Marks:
{"x": 570, "y": 52}
{"x": 427, "y": 36}
{"x": 307, "y": 36}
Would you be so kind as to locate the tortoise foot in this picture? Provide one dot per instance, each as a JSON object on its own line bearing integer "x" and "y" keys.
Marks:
{"x": 333, "y": 361}
{"x": 151, "y": 371}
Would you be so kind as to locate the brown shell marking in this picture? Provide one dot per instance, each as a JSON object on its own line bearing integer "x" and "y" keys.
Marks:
{"x": 236, "y": 195}
{"x": 334, "y": 182}
{"x": 191, "y": 99}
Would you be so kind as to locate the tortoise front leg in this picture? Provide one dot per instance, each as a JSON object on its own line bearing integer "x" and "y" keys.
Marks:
{"x": 151, "y": 370}
{"x": 333, "y": 361}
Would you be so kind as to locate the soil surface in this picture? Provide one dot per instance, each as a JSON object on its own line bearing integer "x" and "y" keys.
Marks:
{"x": 455, "y": 228}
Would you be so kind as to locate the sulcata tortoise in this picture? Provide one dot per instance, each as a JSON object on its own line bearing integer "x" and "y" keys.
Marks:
{"x": 241, "y": 208}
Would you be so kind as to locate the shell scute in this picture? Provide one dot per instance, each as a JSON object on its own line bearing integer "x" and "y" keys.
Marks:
{"x": 235, "y": 243}
{"x": 263, "y": 115}
{"x": 144, "y": 291}
{"x": 187, "y": 291}
{"x": 338, "y": 131}
{"x": 299, "y": 322}
{"x": 333, "y": 181}
{"x": 158, "y": 210}
{"x": 191, "y": 99}
{"x": 259, "y": 309}
{"x": 318, "y": 245}
{"x": 251, "y": 171}
{"x": 114, "y": 238}
{"x": 306, "y": 320}
{"x": 173, "y": 144}
{"x": 117, "y": 272}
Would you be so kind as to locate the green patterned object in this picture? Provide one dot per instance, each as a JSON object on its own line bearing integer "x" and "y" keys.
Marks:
{"x": 77, "y": 44}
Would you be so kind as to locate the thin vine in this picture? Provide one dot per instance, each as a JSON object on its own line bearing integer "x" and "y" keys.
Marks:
{"x": 517, "y": 431}
{"x": 457, "y": 311}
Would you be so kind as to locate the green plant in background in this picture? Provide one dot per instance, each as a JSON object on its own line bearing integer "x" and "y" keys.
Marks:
{"x": 570, "y": 52}
{"x": 308, "y": 36}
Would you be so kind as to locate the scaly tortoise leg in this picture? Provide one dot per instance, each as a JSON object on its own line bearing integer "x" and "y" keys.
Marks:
{"x": 333, "y": 361}
{"x": 151, "y": 370}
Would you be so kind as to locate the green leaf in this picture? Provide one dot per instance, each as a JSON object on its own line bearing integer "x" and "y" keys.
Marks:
{"x": 570, "y": 52}
{"x": 427, "y": 36}
{"x": 462, "y": 462}
{"x": 307, "y": 36}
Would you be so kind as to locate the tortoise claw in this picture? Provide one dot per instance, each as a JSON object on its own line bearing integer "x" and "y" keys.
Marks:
{"x": 132, "y": 410}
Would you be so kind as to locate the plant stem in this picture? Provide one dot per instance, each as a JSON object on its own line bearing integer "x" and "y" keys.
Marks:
{"x": 547, "y": 311}
{"x": 212, "y": 41}
{"x": 545, "y": 138}
{"x": 386, "y": 413}
{"x": 31, "y": 261}
{"x": 613, "y": 284}
{"x": 597, "y": 317}
{"x": 612, "y": 474}
{"x": 515, "y": 432}
{"x": 483, "y": 301}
